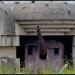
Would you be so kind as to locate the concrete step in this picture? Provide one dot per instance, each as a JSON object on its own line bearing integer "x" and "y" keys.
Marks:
{"x": 46, "y": 22}
{"x": 48, "y": 30}
{"x": 46, "y": 33}
{"x": 47, "y": 26}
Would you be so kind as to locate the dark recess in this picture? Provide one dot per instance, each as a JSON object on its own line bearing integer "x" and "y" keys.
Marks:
{"x": 66, "y": 40}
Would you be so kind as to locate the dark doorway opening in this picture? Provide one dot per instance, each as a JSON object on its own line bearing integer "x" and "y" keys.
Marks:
{"x": 43, "y": 57}
{"x": 56, "y": 51}
{"x": 30, "y": 50}
{"x": 65, "y": 40}
{"x": 20, "y": 53}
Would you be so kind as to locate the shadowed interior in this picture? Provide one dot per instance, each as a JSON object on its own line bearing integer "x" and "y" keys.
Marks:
{"x": 66, "y": 40}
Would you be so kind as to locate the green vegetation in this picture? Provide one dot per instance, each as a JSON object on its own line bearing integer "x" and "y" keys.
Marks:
{"x": 39, "y": 70}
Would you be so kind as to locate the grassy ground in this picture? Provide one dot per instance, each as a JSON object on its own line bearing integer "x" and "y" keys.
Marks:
{"x": 39, "y": 70}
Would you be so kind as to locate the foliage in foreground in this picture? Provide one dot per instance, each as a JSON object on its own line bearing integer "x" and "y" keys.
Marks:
{"x": 39, "y": 70}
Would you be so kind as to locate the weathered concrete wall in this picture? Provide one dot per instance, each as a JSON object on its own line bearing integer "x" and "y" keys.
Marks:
{"x": 19, "y": 30}
{"x": 53, "y": 18}
{"x": 10, "y": 27}
{"x": 3, "y": 22}
{"x": 9, "y": 40}
{"x": 37, "y": 11}
{"x": 8, "y": 57}
{"x": 7, "y": 26}
{"x": 8, "y": 52}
